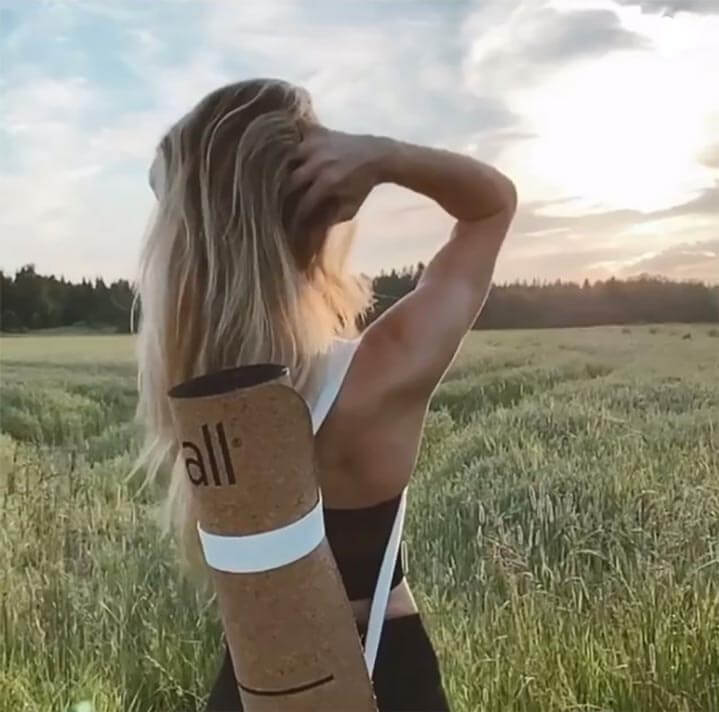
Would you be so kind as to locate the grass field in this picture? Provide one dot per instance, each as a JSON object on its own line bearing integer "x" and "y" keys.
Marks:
{"x": 563, "y": 529}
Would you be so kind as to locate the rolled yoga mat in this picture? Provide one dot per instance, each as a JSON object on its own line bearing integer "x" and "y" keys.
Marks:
{"x": 248, "y": 451}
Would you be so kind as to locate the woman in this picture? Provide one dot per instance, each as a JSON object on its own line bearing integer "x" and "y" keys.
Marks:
{"x": 245, "y": 263}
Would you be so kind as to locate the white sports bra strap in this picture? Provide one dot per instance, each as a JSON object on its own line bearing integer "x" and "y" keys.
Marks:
{"x": 337, "y": 364}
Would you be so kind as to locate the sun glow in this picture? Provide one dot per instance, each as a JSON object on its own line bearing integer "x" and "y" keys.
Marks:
{"x": 623, "y": 131}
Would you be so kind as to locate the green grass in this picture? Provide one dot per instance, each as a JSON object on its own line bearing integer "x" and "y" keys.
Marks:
{"x": 67, "y": 349}
{"x": 563, "y": 529}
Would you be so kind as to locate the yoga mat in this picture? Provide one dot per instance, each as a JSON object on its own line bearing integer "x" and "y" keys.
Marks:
{"x": 248, "y": 451}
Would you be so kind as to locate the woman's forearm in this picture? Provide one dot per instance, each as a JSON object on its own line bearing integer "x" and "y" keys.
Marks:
{"x": 466, "y": 188}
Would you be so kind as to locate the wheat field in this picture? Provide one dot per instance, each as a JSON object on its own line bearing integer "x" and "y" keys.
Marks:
{"x": 563, "y": 529}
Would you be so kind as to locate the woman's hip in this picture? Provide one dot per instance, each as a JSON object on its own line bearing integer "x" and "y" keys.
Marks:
{"x": 406, "y": 676}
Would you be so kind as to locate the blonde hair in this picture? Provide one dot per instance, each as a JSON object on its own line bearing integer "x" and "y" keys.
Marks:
{"x": 219, "y": 284}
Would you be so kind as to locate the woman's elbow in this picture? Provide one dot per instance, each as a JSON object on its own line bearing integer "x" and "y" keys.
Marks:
{"x": 508, "y": 193}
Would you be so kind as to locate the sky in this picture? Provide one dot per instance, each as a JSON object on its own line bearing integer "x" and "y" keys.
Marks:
{"x": 604, "y": 113}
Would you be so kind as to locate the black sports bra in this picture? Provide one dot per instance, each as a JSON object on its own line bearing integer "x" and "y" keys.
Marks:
{"x": 358, "y": 539}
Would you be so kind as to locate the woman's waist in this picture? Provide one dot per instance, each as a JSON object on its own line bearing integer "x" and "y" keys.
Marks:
{"x": 400, "y": 603}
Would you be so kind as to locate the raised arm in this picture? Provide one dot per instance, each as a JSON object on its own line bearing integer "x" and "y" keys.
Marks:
{"x": 412, "y": 344}
{"x": 425, "y": 329}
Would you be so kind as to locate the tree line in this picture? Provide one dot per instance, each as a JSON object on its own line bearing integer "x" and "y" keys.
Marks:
{"x": 31, "y": 301}
{"x": 527, "y": 305}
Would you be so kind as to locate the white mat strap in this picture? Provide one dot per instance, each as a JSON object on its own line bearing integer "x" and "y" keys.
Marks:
{"x": 382, "y": 589}
{"x": 265, "y": 551}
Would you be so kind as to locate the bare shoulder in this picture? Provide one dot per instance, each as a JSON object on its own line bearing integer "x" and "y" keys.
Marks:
{"x": 369, "y": 398}
{"x": 368, "y": 444}
{"x": 374, "y": 429}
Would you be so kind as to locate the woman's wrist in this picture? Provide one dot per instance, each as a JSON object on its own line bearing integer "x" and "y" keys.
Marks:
{"x": 463, "y": 186}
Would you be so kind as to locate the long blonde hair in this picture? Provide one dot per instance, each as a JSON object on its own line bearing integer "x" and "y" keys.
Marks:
{"x": 219, "y": 284}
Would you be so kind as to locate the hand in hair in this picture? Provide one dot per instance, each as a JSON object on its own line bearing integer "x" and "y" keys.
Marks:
{"x": 334, "y": 174}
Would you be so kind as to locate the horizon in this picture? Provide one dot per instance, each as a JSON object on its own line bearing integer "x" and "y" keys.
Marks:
{"x": 597, "y": 109}
{"x": 400, "y": 270}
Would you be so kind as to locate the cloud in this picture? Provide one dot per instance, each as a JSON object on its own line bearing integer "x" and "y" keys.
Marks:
{"x": 699, "y": 260}
{"x": 76, "y": 143}
{"x": 672, "y": 7}
{"x": 539, "y": 215}
{"x": 706, "y": 203}
{"x": 573, "y": 262}
{"x": 536, "y": 39}
{"x": 90, "y": 86}
{"x": 371, "y": 67}
{"x": 578, "y": 259}
{"x": 710, "y": 156}
{"x": 619, "y": 242}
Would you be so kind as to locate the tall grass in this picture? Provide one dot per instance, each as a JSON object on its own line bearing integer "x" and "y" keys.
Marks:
{"x": 563, "y": 531}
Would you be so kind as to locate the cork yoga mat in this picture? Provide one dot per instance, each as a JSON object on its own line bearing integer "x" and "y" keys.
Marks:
{"x": 248, "y": 452}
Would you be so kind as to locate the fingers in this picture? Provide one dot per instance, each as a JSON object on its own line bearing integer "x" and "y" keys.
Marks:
{"x": 311, "y": 135}
{"x": 304, "y": 175}
{"x": 301, "y": 179}
{"x": 313, "y": 197}
{"x": 311, "y": 186}
{"x": 307, "y": 161}
{"x": 308, "y": 158}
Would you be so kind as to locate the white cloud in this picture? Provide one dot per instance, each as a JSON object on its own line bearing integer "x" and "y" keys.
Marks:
{"x": 601, "y": 110}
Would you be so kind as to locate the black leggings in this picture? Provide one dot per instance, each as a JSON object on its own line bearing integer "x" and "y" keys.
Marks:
{"x": 406, "y": 675}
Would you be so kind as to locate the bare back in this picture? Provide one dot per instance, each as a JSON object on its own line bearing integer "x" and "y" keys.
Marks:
{"x": 367, "y": 447}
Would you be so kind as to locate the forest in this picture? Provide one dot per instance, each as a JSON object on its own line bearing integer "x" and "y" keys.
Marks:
{"x": 31, "y": 301}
